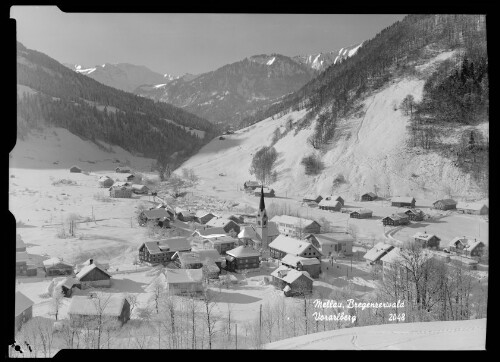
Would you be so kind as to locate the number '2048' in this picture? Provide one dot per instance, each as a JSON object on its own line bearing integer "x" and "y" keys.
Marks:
{"x": 396, "y": 317}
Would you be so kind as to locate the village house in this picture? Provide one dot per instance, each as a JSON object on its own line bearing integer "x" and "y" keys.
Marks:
{"x": 427, "y": 240}
{"x": 268, "y": 192}
{"x": 184, "y": 281}
{"x": 251, "y": 185}
{"x": 20, "y": 245}
{"x": 105, "y": 181}
{"x": 361, "y": 214}
{"x": 403, "y": 201}
{"x": 472, "y": 208}
{"x": 203, "y": 217}
{"x": 369, "y": 196}
{"x": 242, "y": 258}
{"x": 89, "y": 309}
{"x": 161, "y": 251}
{"x": 91, "y": 276}
{"x": 187, "y": 260}
{"x": 374, "y": 255}
{"x": 139, "y": 189}
{"x": 337, "y": 243}
{"x": 226, "y": 224}
{"x": 56, "y": 266}
{"x": 66, "y": 285}
{"x": 396, "y": 219}
{"x": 208, "y": 233}
{"x": 184, "y": 215}
{"x": 21, "y": 263}
{"x": 122, "y": 169}
{"x": 75, "y": 169}
{"x": 445, "y": 204}
{"x": 236, "y": 218}
{"x": 291, "y": 281}
{"x": 122, "y": 184}
{"x": 295, "y": 226}
{"x": 312, "y": 198}
{"x": 415, "y": 214}
{"x": 129, "y": 177}
{"x": 330, "y": 205}
{"x": 23, "y": 307}
{"x": 310, "y": 265}
{"x": 160, "y": 217}
{"x": 467, "y": 246}
{"x": 120, "y": 192}
{"x": 222, "y": 244}
{"x": 334, "y": 198}
{"x": 103, "y": 266}
{"x": 394, "y": 261}
{"x": 283, "y": 245}
{"x": 209, "y": 260}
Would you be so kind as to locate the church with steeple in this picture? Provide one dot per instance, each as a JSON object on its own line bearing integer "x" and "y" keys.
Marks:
{"x": 267, "y": 231}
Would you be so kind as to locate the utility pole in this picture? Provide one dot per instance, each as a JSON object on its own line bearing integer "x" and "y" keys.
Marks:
{"x": 236, "y": 335}
{"x": 260, "y": 323}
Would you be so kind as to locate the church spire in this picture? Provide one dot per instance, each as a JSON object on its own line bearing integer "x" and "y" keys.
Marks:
{"x": 262, "y": 206}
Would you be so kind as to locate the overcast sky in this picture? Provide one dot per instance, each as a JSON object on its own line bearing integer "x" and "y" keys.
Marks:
{"x": 186, "y": 43}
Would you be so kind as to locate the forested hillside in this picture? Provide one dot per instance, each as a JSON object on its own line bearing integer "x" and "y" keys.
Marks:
{"x": 97, "y": 112}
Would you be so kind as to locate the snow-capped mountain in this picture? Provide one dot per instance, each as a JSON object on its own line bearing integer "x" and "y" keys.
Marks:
{"x": 321, "y": 61}
{"x": 124, "y": 76}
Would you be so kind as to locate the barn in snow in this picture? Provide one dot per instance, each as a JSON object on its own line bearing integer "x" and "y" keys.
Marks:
{"x": 369, "y": 196}
{"x": 361, "y": 214}
{"x": 403, "y": 201}
{"x": 445, "y": 204}
{"x": 109, "y": 307}
{"x": 92, "y": 276}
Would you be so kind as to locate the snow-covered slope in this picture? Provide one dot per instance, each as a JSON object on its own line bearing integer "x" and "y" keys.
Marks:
{"x": 449, "y": 335}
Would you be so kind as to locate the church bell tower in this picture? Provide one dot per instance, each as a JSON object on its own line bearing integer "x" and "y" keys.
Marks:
{"x": 262, "y": 220}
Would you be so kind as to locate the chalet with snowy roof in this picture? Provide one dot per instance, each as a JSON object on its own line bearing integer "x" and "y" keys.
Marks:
{"x": 361, "y": 214}
{"x": 403, "y": 201}
{"x": 139, "y": 189}
{"x": 92, "y": 276}
{"x": 374, "y": 255}
{"x": 122, "y": 169}
{"x": 332, "y": 243}
{"x": 109, "y": 307}
{"x": 291, "y": 281}
{"x": 395, "y": 261}
{"x": 161, "y": 251}
{"x": 212, "y": 262}
{"x": 129, "y": 177}
{"x": 334, "y": 198}
{"x": 268, "y": 192}
{"x": 312, "y": 198}
{"x": 56, "y": 266}
{"x": 23, "y": 307}
{"x": 296, "y": 226}
{"x": 369, "y": 196}
{"x": 75, "y": 169}
{"x": 310, "y": 265}
{"x": 467, "y": 246}
{"x": 208, "y": 233}
{"x": 396, "y": 219}
{"x": 283, "y": 245}
{"x": 160, "y": 217}
{"x": 184, "y": 281}
{"x": 20, "y": 245}
{"x": 225, "y": 224}
{"x": 222, "y": 244}
{"x": 251, "y": 185}
{"x": 121, "y": 184}
{"x": 184, "y": 215}
{"x": 103, "y": 266}
{"x": 427, "y": 240}
{"x": 330, "y": 205}
{"x": 203, "y": 217}
{"x": 445, "y": 204}
{"x": 67, "y": 285}
{"x": 105, "y": 181}
{"x": 472, "y": 208}
{"x": 415, "y": 214}
{"x": 242, "y": 258}
{"x": 187, "y": 260}
{"x": 123, "y": 192}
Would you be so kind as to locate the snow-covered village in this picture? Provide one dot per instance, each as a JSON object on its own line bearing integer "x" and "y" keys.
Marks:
{"x": 330, "y": 200}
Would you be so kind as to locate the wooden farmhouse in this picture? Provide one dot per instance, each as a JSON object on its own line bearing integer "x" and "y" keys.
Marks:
{"x": 103, "y": 266}
{"x": 91, "y": 276}
{"x": 369, "y": 196}
{"x": 184, "y": 281}
{"x": 184, "y": 215}
{"x": 87, "y": 310}
{"x": 374, "y": 255}
{"x": 139, "y": 189}
{"x": 67, "y": 285}
{"x": 472, "y": 208}
{"x": 283, "y": 245}
{"x": 330, "y": 205}
{"x": 187, "y": 260}
{"x": 202, "y": 217}
{"x": 242, "y": 258}
{"x": 161, "y": 251}
{"x": 334, "y": 198}
{"x": 268, "y": 192}
{"x": 467, "y": 246}
{"x": 23, "y": 309}
{"x": 427, "y": 240}
{"x": 251, "y": 185}
{"x": 361, "y": 214}
{"x": 291, "y": 281}
{"x": 212, "y": 262}
{"x": 20, "y": 245}
{"x": 396, "y": 220}
{"x": 105, "y": 181}
{"x": 225, "y": 224}
{"x": 415, "y": 214}
{"x": 160, "y": 217}
{"x": 332, "y": 243}
{"x": 122, "y": 169}
{"x": 56, "y": 266}
{"x": 295, "y": 226}
{"x": 445, "y": 204}
{"x": 123, "y": 192}
{"x": 403, "y": 201}
{"x": 310, "y": 265}
{"x": 222, "y": 244}
{"x": 75, "y": 169}
{"x": 312, "y": 198}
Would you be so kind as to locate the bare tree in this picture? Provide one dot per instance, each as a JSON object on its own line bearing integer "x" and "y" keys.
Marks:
{"x": 100, "y": 301}
{"x": 57, "y": 301}
{"x": 210, "y": 315}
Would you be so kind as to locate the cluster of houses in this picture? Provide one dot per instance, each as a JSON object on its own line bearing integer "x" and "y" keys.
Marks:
{"x": 255, "y": 188}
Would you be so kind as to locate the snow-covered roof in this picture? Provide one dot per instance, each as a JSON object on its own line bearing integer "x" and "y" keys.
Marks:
{"x": 211, "y": 255}
{"x": 333, "y": 198}
{"x": 289, "y": 275}
{"x": 68, "y": 282}
{"x": 54, "y": 261}
{"x": 469, "y": 244}
{"x": 187, "y": 257}
{"x": 252, "y": 183}
{"x": 103, "y": 266}
{"x": 424, "y": 236}
{"x": 22, "y": 303}
{"x": 404, "y": 199}
{"x": 176, "y": 276}
{"x": 219, "y": 222}
{"x": 292, "y": 220}
{"x": 178, "y": 243}
{"x": 330, "y": 203}
{"x": 445, "y": 202}
{"x": 139, "y": 187}
{"x": 222, "y": 239}
{"x": 202, "y": 213}
{"x": 395, "y": 255}
{"x": 87, "y": 269}
{"x": 242, "y": 252}
{"x": 291, "y": 245}
{"x": 332, "y": 238}
{"x": 156, "y": 213}
{"x": 372, "y": 194}
{"x": 247, "y": 232}
{"x": 377, "y": 251}
{"x": 364, "y": 211}
{"x": 111, "y": 305}
{"x": 414, "y": 211}
{"x": 120, "y": 184}
{"x": 290, "y": 259}
{"x": 471, "y": 206}
{"x": 312, "y": 197}
{"x": 209, "y": 233}
{"x": 397, "y": 216}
